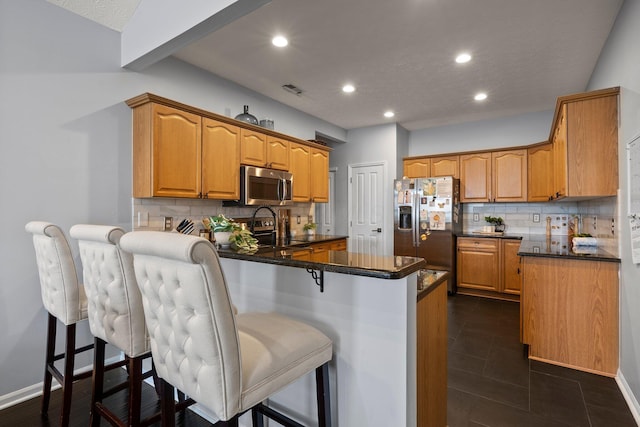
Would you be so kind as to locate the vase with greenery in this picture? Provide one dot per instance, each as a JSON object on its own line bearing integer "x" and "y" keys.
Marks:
{"x": 310, "y": 228}
{"x": 496, "y": 221}
{"x": 228, "y": 233}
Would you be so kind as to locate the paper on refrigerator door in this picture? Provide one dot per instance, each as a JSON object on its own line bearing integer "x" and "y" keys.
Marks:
{"x": 437, "y": 220}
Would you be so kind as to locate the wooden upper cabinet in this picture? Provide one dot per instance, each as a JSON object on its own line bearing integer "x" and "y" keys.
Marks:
{"x": 300, "y": 168}
{"x": 475, "y": 177}
{"x": 509, "y": 176}
{"x": 220, "y": 160}
{"x": 166, "y": 152}
{"x": 278, "y": 152}
{"x": 319, "y": 166}
{"x": 592, "y": 147}
{"x": 416, "y": 168}
{"x": 445, "y": 166}
{"x": 559, "y": 143}
{"x": 253, "y": 148}
{"x": 540, "y": 173}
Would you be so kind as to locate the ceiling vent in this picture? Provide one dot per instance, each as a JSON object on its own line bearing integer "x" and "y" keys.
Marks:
{"x": 292, "y": 89}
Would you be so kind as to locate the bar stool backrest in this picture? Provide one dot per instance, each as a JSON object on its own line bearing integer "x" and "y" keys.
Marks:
{"x": 114, "y": 302}
{"x": 196, "y": 347}
{"x": 62, "y": 294}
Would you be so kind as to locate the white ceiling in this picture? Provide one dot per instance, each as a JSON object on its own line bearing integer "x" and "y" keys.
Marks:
{"x": 400, "y": 55}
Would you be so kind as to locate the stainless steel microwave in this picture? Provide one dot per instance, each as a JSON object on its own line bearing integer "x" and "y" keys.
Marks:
{"x": 261, "y": 186}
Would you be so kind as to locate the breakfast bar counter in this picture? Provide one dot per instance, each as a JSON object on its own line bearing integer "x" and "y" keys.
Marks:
{"x": 367, "y": 306}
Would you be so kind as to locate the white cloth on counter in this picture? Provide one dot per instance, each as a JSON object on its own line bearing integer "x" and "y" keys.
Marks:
{"x": 585, "y": 250}
{"x": 584, "y": 241}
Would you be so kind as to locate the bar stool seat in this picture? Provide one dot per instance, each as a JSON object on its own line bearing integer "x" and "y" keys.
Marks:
{"x": 229, "y": 363}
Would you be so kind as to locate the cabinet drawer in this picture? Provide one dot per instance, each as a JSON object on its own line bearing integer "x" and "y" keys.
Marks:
{"x": 480, "y": 243}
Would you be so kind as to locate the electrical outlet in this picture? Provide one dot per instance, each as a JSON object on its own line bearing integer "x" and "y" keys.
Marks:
{"x": 536, "y": 217}
{"x": 476, "y": 217}
{"x": 168, "y": 223}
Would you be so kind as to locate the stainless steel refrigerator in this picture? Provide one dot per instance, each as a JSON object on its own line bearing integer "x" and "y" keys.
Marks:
{"x": 427, "y": 219}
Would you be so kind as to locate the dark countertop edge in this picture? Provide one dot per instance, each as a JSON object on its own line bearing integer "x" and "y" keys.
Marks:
{"x": 433, "y": 286}
{"x": 327, "y": 267}
{"x": 574, "y": 256}
{"x": 492, "y": 236}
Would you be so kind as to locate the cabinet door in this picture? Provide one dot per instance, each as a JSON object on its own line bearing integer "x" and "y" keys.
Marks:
{"x": 220, "y": 160}
{"x": 509, "y": 176}
{"x": 300, "y": 161}
{"x": 320, "y": 252}
{"x": 176, "y": 152}
{"x": 560, "y": 155}
{"x": 253, "y": 148}
{"x": 278, "y": 151}
{"x": 592, "y": 147}
{"x": 478, "y": 264}
{"x": 339, "y": 245}
{"x": 319, "y": 165}
{"x": 475, "y": 177}
{"x": 540, "y": 173}
{"x": 570, "y": 313}
{"x": 511, "y": 279}
{"x": 445, "y": 166}
{"x": 416, "y": 168}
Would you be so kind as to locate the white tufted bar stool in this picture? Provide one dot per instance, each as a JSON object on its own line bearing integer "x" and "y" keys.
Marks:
{"x": 115, "y": 317}
{"x": 64, "y": 299}
{"x": 226, "y": 362}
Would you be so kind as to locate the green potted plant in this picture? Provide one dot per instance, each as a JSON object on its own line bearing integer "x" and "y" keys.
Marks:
{"x": 310, "y": 228}
{"x": 496, "y": 221}
{"x": 227, "y": 233}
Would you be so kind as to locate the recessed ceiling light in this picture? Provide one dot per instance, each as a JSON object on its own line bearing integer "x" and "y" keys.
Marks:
{"x": 389, "y": 114}
{"x": 462, "y": 58}
{"x": 280, "y": 41}
{"x": 348, "y": 88}
{"x": 480, "y": 96}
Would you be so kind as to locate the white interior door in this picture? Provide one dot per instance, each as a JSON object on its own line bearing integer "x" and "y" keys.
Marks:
{"x": 326, "y": 212}
{"x": 366, "y": 213}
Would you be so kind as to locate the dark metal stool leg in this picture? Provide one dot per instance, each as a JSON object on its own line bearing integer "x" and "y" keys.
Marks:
{"x": 167, "y": 405}
{"x": 67, "y": 382}
{"x": 322, "y": 389}
{"x": 49, "y": 357}
{"x": 257, "y": 418}
{"x": 97, "y": 386}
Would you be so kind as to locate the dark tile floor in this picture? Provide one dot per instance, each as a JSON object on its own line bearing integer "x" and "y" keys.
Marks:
{"x": 493, "y": 384}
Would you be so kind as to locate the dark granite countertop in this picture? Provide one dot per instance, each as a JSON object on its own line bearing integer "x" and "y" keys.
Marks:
{"x": 381, "y": 267}
{"x": 429, "y": 280}
{"x": 492, "y": 235}
{"x": 560, "y": 247}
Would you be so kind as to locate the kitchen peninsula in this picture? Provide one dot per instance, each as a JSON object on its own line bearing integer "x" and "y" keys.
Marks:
{"x": 368, "y": 307}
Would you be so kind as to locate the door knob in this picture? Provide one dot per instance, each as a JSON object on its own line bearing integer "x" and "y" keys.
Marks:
{"x": 377, "y": 230}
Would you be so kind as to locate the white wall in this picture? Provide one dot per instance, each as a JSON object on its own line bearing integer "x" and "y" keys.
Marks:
{"x": 523, "y": 129}
{"x": 619, "y": 65}
{"x": 65, "y": 150}
{"x": 365, "y": 145}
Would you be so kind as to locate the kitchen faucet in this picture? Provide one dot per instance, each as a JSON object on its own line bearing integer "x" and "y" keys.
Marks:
{"x": 253, "y": 221}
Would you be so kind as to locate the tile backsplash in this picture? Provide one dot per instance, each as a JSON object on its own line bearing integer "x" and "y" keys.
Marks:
{"x": 596, "y": 217}
{"x": 148, "y": 214}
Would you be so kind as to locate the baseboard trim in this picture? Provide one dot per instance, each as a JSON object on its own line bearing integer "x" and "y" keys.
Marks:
{"x": 35, "y": 390}
{"x": 628, "y": 395}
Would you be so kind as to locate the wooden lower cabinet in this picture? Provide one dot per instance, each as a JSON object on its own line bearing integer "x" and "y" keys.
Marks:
{"x": 489, "y": 267}
{"x": 478, "y": 263}
{"x": 431, "y": 369}
{"x": 570, "y": 313}
{"x": 319, "y": 252}
{"x": 511, "y": 268}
